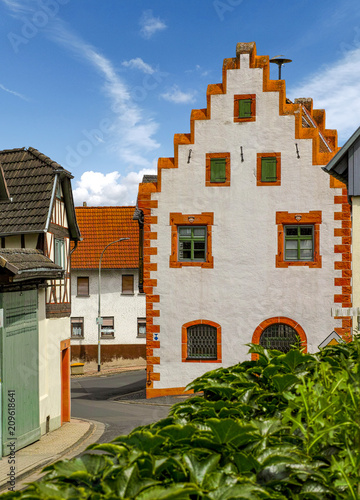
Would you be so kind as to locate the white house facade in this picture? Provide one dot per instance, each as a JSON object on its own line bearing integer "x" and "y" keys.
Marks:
{"x": 123, "y": 332}
{"x": 245, "y": 238}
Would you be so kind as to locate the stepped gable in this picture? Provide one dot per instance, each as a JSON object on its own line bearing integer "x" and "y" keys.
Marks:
{"x": 309, "y": 122}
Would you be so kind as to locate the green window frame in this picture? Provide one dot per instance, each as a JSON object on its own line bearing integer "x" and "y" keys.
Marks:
{"x": 192, "y": 243}
{"x": 299, "y": 243}
{"x": 244, "y": 108}
{"x": 218, "y": 170}
{"x": 268, "y": 169}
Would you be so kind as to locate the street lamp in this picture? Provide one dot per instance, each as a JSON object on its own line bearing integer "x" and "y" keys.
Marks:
{"x": 99, "y": 318}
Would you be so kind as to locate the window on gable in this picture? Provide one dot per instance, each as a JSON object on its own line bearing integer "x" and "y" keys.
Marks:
{"x": 191, "y": 240}
{"x": 299, "y": 242}
{"x": 77, "y": 328}
{"x": 299, "y": 239}
{"x": 244, "y": 107}
{"x": 217, "y": 169}
{"x": 107, "y": 328}
{"x": 280, "y": 337}
{"x": 59, "y": 253}
{"x": 268, "y": 169}
{"x": 83, "y": 286}
{"x": 127, "y": 284}
{"x": 192, "y": 243}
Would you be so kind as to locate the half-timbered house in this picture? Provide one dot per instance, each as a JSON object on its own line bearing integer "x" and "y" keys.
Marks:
{"x": 37, "y": 223}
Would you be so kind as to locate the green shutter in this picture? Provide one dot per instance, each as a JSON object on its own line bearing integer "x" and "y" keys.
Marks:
{"x": 268, "y": 169}
{"x": 218, "y": 170}
{"x": 245, "y": 108}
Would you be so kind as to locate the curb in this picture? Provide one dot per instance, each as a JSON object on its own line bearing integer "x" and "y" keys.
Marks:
{"x": 37, "y": 468}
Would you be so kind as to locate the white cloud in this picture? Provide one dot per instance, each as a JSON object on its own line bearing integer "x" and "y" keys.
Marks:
{"x": 99, "y": 189}
{"x": 138, "y": 63}
{"x": 131, "y": 133}
{"x": 150, "y": 24}
{"x": 335, "y": 88}
{"x": 178, "y": 96}
{"x": 13, "y": 92}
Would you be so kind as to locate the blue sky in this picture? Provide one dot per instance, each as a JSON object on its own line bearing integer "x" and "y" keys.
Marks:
{"x": 101, "y": 87}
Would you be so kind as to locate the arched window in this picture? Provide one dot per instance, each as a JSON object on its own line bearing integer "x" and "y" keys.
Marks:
{"x": 279, "y": 333}
{"x": 201, "y": 341}
{"x": 279, "y": 336}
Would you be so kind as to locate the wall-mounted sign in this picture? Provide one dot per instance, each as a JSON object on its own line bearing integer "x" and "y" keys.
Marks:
{"x": 332, "y": 339}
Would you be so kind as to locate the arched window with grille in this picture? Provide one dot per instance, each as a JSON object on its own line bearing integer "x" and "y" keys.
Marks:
{"x": 279, "y": 336}
{"x": 201, "y": 342}
{"x": 279, "y": 333}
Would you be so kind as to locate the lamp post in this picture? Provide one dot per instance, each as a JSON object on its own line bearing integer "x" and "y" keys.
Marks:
{"x": 99, "y": 318}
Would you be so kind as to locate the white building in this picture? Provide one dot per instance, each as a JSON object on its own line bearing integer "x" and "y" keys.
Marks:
{"x": 123, "y": 333}
{"x": 243, "y": 231}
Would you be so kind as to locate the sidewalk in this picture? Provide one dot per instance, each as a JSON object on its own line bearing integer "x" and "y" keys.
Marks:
{"x": 68, "y": 441}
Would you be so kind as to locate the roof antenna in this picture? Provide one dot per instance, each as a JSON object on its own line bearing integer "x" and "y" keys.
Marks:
{"x": 280, "y": 61}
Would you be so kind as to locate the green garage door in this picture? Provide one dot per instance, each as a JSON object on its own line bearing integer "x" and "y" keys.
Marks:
{"x": 20, "y": 368}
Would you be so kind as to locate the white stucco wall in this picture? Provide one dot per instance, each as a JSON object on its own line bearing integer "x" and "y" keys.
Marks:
{"x": 124, "y": 307}
{"x": 51, "y": 333}
{"x": 244, "y": 288}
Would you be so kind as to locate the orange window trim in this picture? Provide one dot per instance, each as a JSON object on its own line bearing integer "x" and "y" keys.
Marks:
{"x": 259, "y": 182}
{"x": 184, "y": 341}
{"x": 278, "y": 319}
{"x": 209, "y": 156}
{"x": 314, "y": 218}
{"x": 203, "y": 219}
{"x": 237, "y": 98}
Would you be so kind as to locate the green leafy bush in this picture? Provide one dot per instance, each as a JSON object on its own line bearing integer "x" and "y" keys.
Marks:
{"x": 284, "y": 427}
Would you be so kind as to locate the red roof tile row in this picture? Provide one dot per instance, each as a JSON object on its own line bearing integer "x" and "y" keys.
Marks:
{"x": 100, "y": 226}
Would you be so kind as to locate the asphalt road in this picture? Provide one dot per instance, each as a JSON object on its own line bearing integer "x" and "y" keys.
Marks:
{"x": 94, "y": 398}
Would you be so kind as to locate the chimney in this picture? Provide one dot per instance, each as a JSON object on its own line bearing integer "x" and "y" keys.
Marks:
{"x": 84, "y": 204}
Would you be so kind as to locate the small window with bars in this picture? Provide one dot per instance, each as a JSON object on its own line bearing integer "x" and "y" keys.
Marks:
{"x": 192, "y": 243}
{"x": 201, "y": 342}
{"x": 77, "y": 328}
{"x": 279, "y": 336}
{"x": 299, "y": 243}
{"x": 107, "y": 328}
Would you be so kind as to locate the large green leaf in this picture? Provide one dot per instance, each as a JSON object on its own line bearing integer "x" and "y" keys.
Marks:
{"x": 179, "y": 491}
{"x": 200, "y": 468}
{"x": 228, "y": 431}
{"x": 284, "y": 382}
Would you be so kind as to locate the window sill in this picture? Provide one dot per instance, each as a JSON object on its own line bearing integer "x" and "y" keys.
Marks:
{"x": 77, "y": 338}
{"x": 127, "y": 293}
{"x": 104, "y": 337}
{"x": 79, "y": 296}
{"x": 201, "y": 360}
{"x": 141, "y": 336}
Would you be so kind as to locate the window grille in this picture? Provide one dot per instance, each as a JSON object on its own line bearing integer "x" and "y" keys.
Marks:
{"x": 201, "y": 342}
{"x": 280, "y": 337}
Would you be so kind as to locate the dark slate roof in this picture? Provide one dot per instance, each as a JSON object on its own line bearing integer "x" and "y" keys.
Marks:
{"x": 338, "y": 165}
{"x": 149, "y": 178}
{"x": 25, "y": 264}
{"x": 30, "y": 177}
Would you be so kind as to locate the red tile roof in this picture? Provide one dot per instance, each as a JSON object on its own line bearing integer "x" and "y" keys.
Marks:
{"x": 100, "y": 226}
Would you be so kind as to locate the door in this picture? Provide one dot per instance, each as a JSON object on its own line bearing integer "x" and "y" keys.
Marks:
{"x": 20, "y": 369}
